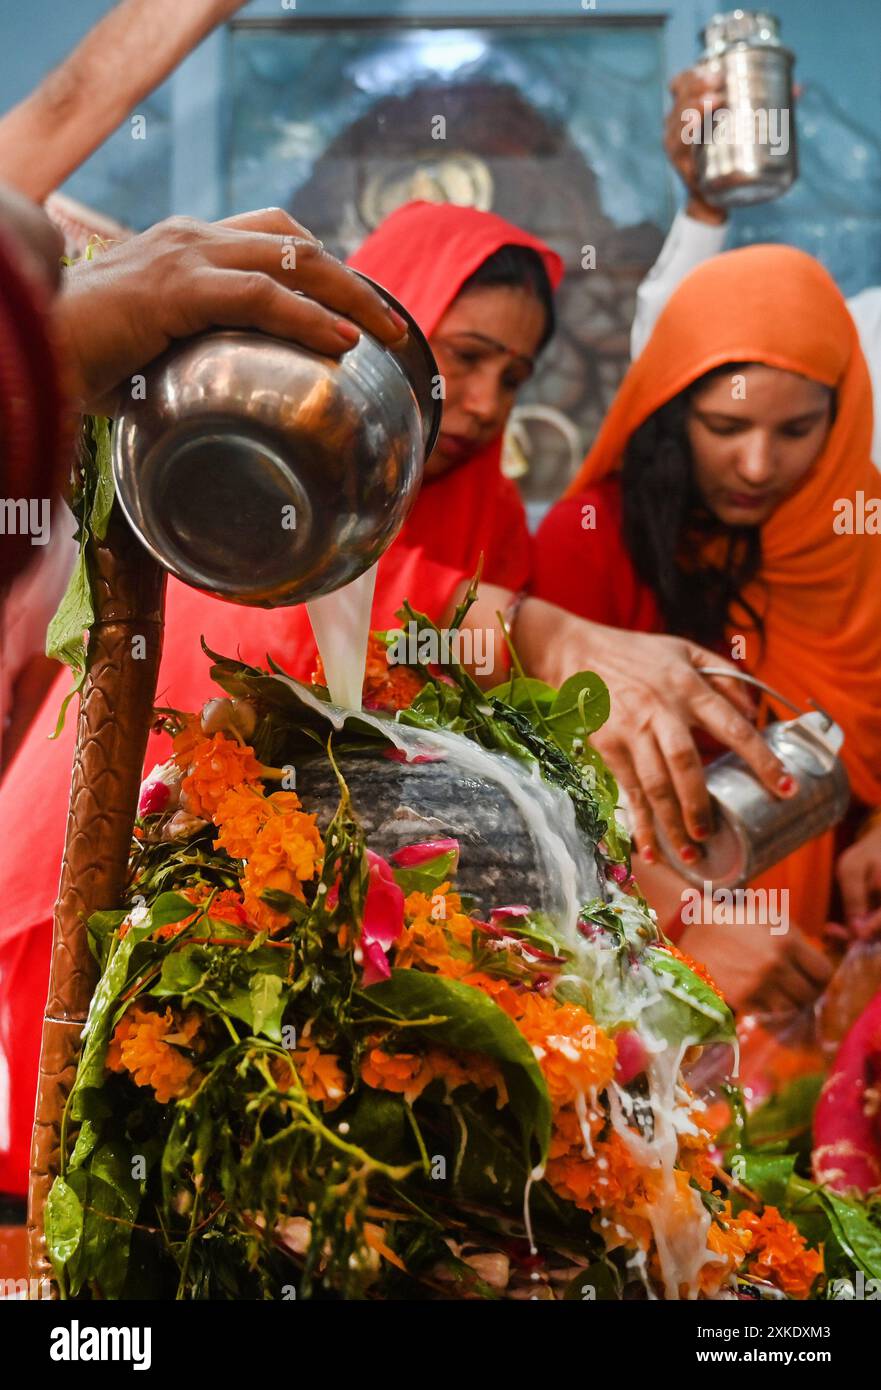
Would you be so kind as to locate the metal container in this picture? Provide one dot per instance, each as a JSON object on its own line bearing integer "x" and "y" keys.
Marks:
{"x": 752, "y": 156}
{"x": 755, "y": 830}
{"x": 267, "y": 474}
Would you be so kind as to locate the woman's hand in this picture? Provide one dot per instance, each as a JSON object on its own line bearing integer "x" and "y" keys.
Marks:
{"x": 795, "y": 979}
{"x": 696, "y": 89}
{"x": 259, "y": 270}
{"x": 658, "y": 695}
{"x": 859, "y": 877}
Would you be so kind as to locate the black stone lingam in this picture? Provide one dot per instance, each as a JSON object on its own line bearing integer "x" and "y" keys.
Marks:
{"x": 501, "y": 859}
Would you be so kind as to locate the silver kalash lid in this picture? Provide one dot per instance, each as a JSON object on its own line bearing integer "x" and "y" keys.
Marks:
{"x": 755, "y": 27}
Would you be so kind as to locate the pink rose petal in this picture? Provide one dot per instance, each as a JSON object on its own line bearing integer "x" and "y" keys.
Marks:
{"x": 376, "y": 966}
{"x": 409, "y": 856}
{"x": 383, "y": 918}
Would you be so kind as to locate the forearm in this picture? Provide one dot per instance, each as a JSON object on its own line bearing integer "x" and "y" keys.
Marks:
{"x": 541, "y": 634}
{"x": 696, "y": 234}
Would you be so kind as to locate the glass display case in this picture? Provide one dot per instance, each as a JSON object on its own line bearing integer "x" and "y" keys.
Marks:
{"x": 553, "y": 125}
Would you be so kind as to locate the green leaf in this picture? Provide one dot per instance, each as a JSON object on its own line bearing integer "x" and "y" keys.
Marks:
{"x": 64, "y": 1224}
{"x": 857, "y": 1234}
{"x": 768, "y": 1175}
{"x": 689, "y": 1009}
{"x": 180, "y": 974}
{"x": 103, "y": 494}
{"x": 378, "y": 1123}
{"x": 473, "y": 1023}
{"x": 66, "y": 633}
{"x": 581, "y": 707}
{"x": 525, "y": 693}
{"x": 101, "y": 927}
{"x": 267, "y": 1005}
{"x": 169, "y": 908}
{"x": 598, "y": 1282}
{"x": 425, "y": 877}
{"x": 113, "y": 1195}
{"x": 787, "y": 1114}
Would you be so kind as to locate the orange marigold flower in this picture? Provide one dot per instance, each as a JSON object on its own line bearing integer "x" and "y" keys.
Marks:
{"x": 607, "y": 1178}
{"x": 575, "y": 1055}
{"x": 216, "y": 765}
{"x": 240, "y": 813}
{"x": 420, "y": 906}
{"x": 187, "y": 739}
{"x": 728, "y": 1238}
{"x": 228, "y": 907}
{"x": 500, "y": 991}
{"x": 402, "y": 1072}
{"x": 386, "y": 687}
{"x": 146, "y": 1044}
{"x": 408, "y": 1073}
{"x": 286, "y": 854}
{"x": 322, "y": 1077}
{"x": 467, "y": 1069}
{"x": 780, "y": 1253}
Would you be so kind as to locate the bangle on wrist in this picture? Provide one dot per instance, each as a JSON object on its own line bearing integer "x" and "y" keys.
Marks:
{"x": 509, "y": 618}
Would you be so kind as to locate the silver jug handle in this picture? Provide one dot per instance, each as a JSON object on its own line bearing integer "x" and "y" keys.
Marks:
{"x": 769, "y": 690}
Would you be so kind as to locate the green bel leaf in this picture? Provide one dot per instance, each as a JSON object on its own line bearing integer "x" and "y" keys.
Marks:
{"x": 581, "y": 707}
{"x": 525, "y": 693}
{"x": 857, "y": 1234}
{"x": 688, "y": 1009}
{"x": 470, "y": 1021}
{"x": 64, "y": 1224}
{"x": 267, "y": 1005}
{"x": 766, "y": 1174}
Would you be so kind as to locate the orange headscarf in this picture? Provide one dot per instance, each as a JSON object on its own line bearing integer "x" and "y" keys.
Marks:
{"x": 819, "y": 592}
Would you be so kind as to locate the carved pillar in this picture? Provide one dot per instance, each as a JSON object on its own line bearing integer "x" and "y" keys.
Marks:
{"x": 114, "y": 723}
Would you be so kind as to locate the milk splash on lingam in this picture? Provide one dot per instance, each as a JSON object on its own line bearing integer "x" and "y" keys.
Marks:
{"x": 341, "y": 624}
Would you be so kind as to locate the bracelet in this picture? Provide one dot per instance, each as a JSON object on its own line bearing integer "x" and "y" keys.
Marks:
{"x": 511, "y": 612}
{"x": 509, "y": 618}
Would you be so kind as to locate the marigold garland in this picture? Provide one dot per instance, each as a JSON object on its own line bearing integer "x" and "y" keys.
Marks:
{"x": 145, "y": 1043}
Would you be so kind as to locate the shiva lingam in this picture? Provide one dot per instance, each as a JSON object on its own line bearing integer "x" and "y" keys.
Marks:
{"x": 257, "y": 471}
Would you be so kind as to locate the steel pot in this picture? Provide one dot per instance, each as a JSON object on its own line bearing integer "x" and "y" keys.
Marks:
{"x": 751, "y": 156}
{"x": 267, "y": 474}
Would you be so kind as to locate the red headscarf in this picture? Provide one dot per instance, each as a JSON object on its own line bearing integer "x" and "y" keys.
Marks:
{"x": 422, "y": 254}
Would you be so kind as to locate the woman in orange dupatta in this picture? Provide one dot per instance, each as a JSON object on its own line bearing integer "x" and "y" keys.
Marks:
{"x": 726, "y": 493}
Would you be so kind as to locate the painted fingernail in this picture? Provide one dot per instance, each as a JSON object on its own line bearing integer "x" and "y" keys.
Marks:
{"x": 648, "y": 855}
{"x": 347, "y": 330}
{"x": 399, "y": 321}
{"x": 688, "y": 853}
{"x": 701, "y": 830}
{"x": 787, "y": 785}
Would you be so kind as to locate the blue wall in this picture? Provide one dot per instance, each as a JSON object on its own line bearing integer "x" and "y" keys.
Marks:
{"x": 835, "y": 211}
